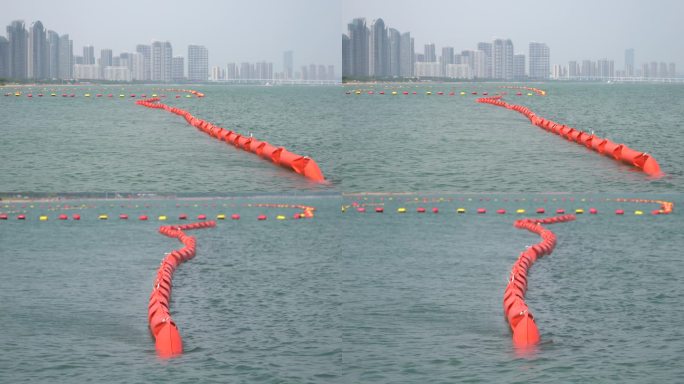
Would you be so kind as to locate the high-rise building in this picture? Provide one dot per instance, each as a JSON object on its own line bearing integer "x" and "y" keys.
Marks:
{"x": 487, "y": 49}
{"x": 4, "y": 57}
{"x": 288, "y": 62}
{"x": 264, "y": 71}
{"x": 540, "y": 63}
{"x": 105, "y": 60}
{"x": 573, "y": 69}
{"x": 358, "y": 47}
{"x": 502, "y": 59}
{"x": 38, "y": 52}
{"x": 162, "y": 54}
{"x": 430, "y": 54}
{"x": 136, "y": 62}
{"x": 86, "y": 71}
{"x": 18, "y": 50}
{"x": 232, "y": 71}
{"x": 662, "y": 70}
{"x": 430, "y": 69}
{"x": 346, "y": 56}
{"x": 198, "y": 63}
{"x": 672, "y": 70}
{"x": 88, "y": 55}
{"x": 246, "y": 71}
{"x": 446, "y": 59}
{"x": 519, "y": 67}
{"x": 629, "y": 62}
{"x": 53, "y": 55}
{"x": 331, "y": 72}
{"x": 653, "y": 70}
{"x": 605, "y": 68}
{"x": 146, "y": 52}
{"x": 66, "y": 57}
{"x": 406, "y": 55}
{"x": 379, "y": 64}
{"x": 178, "y": 68}
{"x": 588, "y": 71}
{"x": 394, "y": 52}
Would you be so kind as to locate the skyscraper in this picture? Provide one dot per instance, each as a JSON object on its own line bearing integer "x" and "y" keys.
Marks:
{"x": 88, "y": 55}
{"x": 162, "y": 54}
{"x": 502, "y": 59}
{"x": 358, "y": 47}
{"x": 430, "y": 54}
{"x": 346, "y": 56}
{"x": 178, "y": 68}
{"x": 406, "y": 56}
{"x": 379, "y": 65}
{"x": 53, "y": 55}
{"x": 38, "y": 51}
{"x": 394, "y": 52}
{"x": 540, "y": 64}
{"x": 66, "y": 57}
{"x": 18, "y": 50}
{"x": 198, "y": 63}
{"x": 606, "y": 68}
{"x": 146, "y": 52}
{"x": 4, "y": 57}
{"x": 487, "y": 49}
{"x": 519, "y": 67}
{"x": 288, "y": 63}
{"x": 629, "y": 62}
{"x": 446, "y": 59}
{"x": 105, "y": 60}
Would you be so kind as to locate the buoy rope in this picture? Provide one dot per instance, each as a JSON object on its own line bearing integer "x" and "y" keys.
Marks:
{"x": 302, "y": 165}
{"x": 168, "y": 342}
{"x": 520, "y": 319}
{"x": 618, "y": 152}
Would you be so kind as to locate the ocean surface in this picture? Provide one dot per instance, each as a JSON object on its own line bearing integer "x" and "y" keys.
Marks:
{"x": 345, "y": 297}
{"x": 414, "y": 143}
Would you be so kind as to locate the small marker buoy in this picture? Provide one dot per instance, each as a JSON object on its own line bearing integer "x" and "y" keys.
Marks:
{"x": 435, "y": 210}
{"x": 162, "y": 218}
{"x": 481, "y": 211}
{"x": 297, "y": 216}
{"x": 520, "y": 211}
{"x": 280, "y": 217}
{"x": 460, "y": 210}
{"x": 579, "y": 211}
{"x": 123, "y": 216}
{"x": 401, "y": 210}
{"x": 653, "y": 212}
{"x": 21, "y": 217}
{"x": 420, "y": 210}
{"x": 540, "y": 210}
{"x": 221, "y": 216}
{"x": 379, "y": 209}
{"x": 201, "y": 217}
{"x": 593, "y": 211}
{"x": 361, "y": 209}
{"x": 3, "y": 216}
{"x": 142, "y": 218}
{"x": 76, "y": 216}
{"x": 261, "y": 217}
{"x": 182, "y": 216}
{"x": 235, "y": 216}
{"x": 103, "y": 217}
{"x": 501, "y": 211}
{"x": 619, "y": 211}
{"x": 638, "y": 213}
{"x": 63, "y": 217}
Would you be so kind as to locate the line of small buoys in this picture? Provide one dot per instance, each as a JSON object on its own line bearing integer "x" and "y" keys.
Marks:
{"x": 538, "y": 91}
{"x": 190, "y": 91}
{"x": 167, "y": 339}
{"x": 302, "y": 165}
{"x": 618, "y": 152}
{"x": 666, "y": 207}
{"x": 306, "y": 213}
{"x": 520, "y": 320}
{"x": 88, "y": 95}
{"x": 406, "y": 93}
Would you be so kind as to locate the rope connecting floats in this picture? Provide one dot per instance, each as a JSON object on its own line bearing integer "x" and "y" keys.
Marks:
{"x": 538, "y": 91}
{"x": 167, "y": 338}
{"x": 618, "y": 152}
{"x": 521, "y": 321}
{"x": 302, "y": 165}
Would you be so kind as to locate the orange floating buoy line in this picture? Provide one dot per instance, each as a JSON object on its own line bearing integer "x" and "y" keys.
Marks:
{"x": 302, "y": 165}
{"x": 666, "y": 207}
{"x": 618, "y": 152}
{"x": 538, "y": 91}
{"x": 521, "y": 321}
{"x": 307, "y": 210}
{"x": 192, "y": 91}
{"x": 167, "y": 339}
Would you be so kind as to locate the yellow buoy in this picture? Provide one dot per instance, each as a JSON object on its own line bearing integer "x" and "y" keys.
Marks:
{"x": 280, "y": 217}
{"x": 638, "y": 213}
{"x": 529, "y": 94}
{"x": 221, "y": 216}
{"x": 579, "y": 211}
{"x": 520, "y": 211}
{"x": 394, "y": 93}
{"x": 428, "y": 93}
{"x": 460, "y": 210}
{"x": 53, "y": 94}
{"x": 357, "y": 92}
{"x": 43, "y": 218}
{"x": 87, "y": 95}
{"x": 401, "y": 210}
{"x": 103, "y": 217}
{"x": 188, "y": 96}
{"x": 162, "y": 218}
{"x": 122, "y": 95}
{"x": 154, "y": 95}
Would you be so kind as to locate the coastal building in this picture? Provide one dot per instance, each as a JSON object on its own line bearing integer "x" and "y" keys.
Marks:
{"x": 459, "y": 71}
{"x": 88, "y": 55}
{"x": 446, "y": 58}
{"x": 502, "y": 59}
{"x": 198, "y": 63}
{"x": 162, "y": 54}
{"x": 18, "y": 50}
{"x": 346, "y": 56}
{"x": 487, "y": 49}
{"x": 106, "y": 60}
{"x": 379, "y": 64}
{"x": 540, "y": 64}
{"x": 288, "y": 63}
{"x": 232, "y": 71}
{"x": 86, "y": 72}
{"x": 629, "y": 62}
{"x": 519, "y": 67}
{"x": 38, "y": 52}
{"x": 358, "y": 48}
{"x": 119, "y": 74}
{"x": 52, "y": 55}
{"x": 178, "y": 69}
{"x": 394, "y": 52}
{"x": 66, "y": 57}
{"x": 146, "y": 52}
{"x": 406, "y": 55}
{"x": 428, "y": 69}
{"x": 4, "y": 57}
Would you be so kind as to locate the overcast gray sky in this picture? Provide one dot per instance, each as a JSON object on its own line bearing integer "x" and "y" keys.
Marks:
{"x": 573, "y": 29}
{"x": 232, "y": 30}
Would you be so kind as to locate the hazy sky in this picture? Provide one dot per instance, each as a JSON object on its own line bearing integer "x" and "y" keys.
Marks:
{"x": 232, "y": 30}
{"x": 573, "y": 29}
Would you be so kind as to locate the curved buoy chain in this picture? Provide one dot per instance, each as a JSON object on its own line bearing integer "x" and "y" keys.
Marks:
{"x": 302, "y": 165}
{"x": 191, "y": 91}
{"x": 307, "y": 211}
{"x": 538, "y": 91}
{"x": 666, "y": 207}
{"x": 520, "y": 319}
{"x": 167, "y": 339}
{"x": 618, "y": 152}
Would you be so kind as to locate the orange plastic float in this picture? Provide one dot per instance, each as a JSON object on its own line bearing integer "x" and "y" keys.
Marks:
{"x": 520, "y": 319}
{"x": 302, "y": 165}
{"x": 619, "y": 152}
{"x": 167, "y": 339}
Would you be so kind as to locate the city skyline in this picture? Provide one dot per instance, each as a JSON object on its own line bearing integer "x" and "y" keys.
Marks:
{"x": 231, "y": 31}
{"x": 602, "y": 30}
